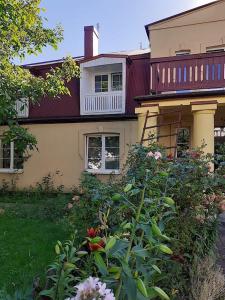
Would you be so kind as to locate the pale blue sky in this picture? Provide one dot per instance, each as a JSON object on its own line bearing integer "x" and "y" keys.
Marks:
{"x": 121, "y": 22}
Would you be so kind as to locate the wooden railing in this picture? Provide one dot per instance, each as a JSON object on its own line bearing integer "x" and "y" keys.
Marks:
{"x": 109, "y": 103}
{"x": 189, "y": 72}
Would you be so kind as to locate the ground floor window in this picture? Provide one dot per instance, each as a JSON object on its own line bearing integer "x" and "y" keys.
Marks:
{"x": 102, "y": 153}
{"x": 9, "y": 157}
{"x": 183, "y": 141}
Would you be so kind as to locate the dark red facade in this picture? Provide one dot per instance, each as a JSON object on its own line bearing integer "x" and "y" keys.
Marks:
{"x": 137, "y": 83}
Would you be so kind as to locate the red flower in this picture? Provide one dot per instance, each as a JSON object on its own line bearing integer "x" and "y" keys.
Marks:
{"x": 170, "y": 156}
{"x": 92, "y": 232}
{"x": 96, "y": 246}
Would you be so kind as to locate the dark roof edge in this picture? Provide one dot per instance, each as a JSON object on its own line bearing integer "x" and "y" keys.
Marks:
{"x": 181, "y": 13}
{"x": 179, "y": 95}
{"x": 78, "y": 119}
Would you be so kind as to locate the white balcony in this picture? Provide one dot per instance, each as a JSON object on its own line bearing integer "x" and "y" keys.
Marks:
{"x": 109, "y": 103}
{"x": 103, "y": 86}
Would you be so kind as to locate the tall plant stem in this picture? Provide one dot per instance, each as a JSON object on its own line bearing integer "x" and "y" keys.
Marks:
{"x": 137, "y": 218}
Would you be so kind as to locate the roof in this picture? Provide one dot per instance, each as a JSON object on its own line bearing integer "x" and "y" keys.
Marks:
{"x": 78, "y": 59}
{"x": 181, "y": 14}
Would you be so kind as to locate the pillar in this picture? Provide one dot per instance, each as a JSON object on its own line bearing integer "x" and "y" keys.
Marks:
{"x": 141, "y": 112}
{"x": 203, "y": 126}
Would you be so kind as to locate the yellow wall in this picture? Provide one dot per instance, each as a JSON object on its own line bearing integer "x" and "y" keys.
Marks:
{"x": 62, "y": 147}
{"x": 196, "y": 31}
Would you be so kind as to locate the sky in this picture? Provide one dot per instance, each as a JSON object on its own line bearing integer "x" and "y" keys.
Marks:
{"x": 121, "y": 23}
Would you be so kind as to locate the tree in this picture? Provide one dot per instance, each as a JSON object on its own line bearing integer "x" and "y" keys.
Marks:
{"x": 23, "y": 32}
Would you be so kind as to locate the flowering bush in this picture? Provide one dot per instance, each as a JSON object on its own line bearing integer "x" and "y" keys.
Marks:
{"x": 150, "y": 232}
{"x": 91, "y": 289}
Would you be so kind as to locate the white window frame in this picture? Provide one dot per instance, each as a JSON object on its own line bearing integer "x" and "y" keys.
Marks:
{"x": 116, "y": 73}
{"x": 109, "y": 82}
{"x": 109, "y": 74}
{"x": 183, "y": 52}
{"x": 102, "y": 170}
{"x": 11, "y": 168}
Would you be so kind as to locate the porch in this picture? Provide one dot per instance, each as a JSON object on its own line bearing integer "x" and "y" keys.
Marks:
{"x": 202, "y": 120}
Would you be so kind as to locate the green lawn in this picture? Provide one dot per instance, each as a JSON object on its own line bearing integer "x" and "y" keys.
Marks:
{"x": 29, "y": 230}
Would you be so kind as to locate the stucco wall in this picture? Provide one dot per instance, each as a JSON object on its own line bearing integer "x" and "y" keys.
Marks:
{"x": 62, "y": 147}
{"x": 193, "y": 31}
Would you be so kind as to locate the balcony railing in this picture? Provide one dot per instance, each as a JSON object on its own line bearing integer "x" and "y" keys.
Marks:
{"x": 108, "y": 103}
{"x": 191, "y": 72}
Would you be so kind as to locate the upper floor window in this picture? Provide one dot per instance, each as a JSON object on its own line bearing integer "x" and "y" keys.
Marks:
{"x": 183, "y": 52}
{"x": 116, "y": 81}
{"x": 215, "y": 49}
{"x": 101, "y": 83}
{"x": 9, "y": 157}
{"x": 102, "y": 153}
{"x": 108, "y": 82}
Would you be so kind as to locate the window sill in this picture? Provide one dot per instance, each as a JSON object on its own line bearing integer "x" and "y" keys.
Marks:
{"x": 11, "y": 171}
{"x": 104, "y": 172}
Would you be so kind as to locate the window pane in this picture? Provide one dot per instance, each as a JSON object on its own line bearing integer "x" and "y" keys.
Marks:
{"x": 101, "y": 83}
{"x": 183, "y": 140}
{"x": 112, "y": 164}
{"x": 117, "y": 81}
{"x": 112, "y": 141}
{"x": 94, "y": 152}
{"x": 94, "y": 164}
{"x": 95, "y": 141}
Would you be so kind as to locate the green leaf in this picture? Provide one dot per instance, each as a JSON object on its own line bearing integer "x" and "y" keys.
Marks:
{"x": 100, "y": 264}
{"x": 139, "y": 251}
{"x": 168, "y": 201}
{"x": 165, "y": 249}
{"x": 161, "y": 293}
{"x": 57, "y": 249}
{"x": 111, "y": 243}
{"x": 141, "y": 287}
{"x": 157, "y": 269}
{"x": 156, "y": 230}
{"x": 95, "y": 240}
{"x": 116, "y": 197}
{"x": 128, "y": 187}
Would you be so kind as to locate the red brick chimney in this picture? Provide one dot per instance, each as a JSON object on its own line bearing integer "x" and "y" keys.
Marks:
{"x": 91, "y": 38}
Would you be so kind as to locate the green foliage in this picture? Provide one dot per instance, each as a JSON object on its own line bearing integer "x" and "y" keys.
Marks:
{"x": 23, "y": 32}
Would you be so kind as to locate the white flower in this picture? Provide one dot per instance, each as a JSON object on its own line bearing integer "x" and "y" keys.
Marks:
{"x": 150, "y": 154}
{"x": 157, "y": 155}
{"x": 92, "y": 289}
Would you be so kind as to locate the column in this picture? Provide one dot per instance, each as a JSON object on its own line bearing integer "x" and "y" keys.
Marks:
{"x": 141, "y": 112}
{"x": 203, "y": 126}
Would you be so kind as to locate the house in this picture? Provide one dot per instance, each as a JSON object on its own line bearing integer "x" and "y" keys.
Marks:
{"x": 89, "y": 130}
{"x": 183, "y": 76}
{"x": 187, "y": 72}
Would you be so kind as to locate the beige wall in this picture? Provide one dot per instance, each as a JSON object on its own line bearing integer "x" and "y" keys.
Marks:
{"x": 62, "y": 147}
{"x": 196, "y": 31}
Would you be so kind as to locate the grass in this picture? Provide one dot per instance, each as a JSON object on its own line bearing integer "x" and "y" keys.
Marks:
{"x": 29, "y": 229}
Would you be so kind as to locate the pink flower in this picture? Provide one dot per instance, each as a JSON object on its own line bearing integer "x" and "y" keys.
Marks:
{"x": 70, "y": 205}
{"x": 157, "y": 155}
{"x": 150, "y": 154}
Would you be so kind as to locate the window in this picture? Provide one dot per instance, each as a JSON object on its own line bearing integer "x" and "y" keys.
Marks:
{"x": 183, "y": 52}
{"x": 101, "y": 83}
{"x": 102, "y": 153}
{"x": 116, "y": 81}
{"x": 183, "y": 141}
{"x": 215, "y": 49}
{"x": 9, "y": 157}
